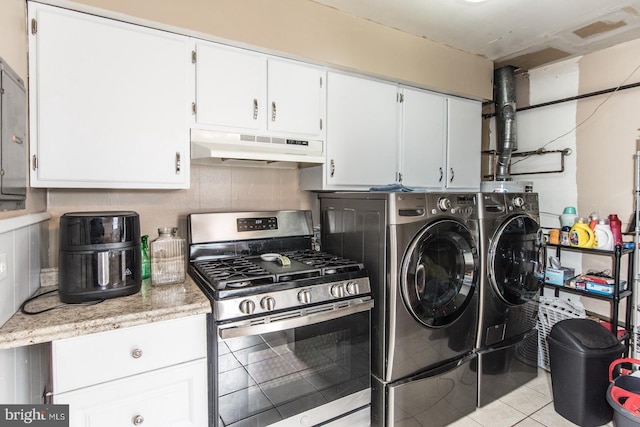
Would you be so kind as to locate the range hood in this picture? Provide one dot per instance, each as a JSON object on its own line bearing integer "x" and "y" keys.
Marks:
{"x": 213, "y": 147}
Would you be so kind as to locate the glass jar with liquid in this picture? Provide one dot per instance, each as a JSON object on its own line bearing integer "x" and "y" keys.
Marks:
{"x": 167, "y": 253}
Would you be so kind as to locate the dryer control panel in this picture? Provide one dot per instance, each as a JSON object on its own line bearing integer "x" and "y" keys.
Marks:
{"x": 522, "y": 202}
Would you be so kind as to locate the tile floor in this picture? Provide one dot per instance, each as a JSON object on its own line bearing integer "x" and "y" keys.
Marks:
{"x": 529, "y": 406}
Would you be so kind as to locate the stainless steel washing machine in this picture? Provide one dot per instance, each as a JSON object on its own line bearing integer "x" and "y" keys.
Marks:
{"x": 513, "y": 273}
{"x": 422, "y": 255}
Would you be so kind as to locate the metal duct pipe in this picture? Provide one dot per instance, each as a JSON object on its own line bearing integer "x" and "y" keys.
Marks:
{"x": 505, "y": 106}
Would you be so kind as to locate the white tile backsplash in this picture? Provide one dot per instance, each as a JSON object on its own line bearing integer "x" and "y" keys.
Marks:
{"x": 23, "y": 370}
{"x": 7, "y": 284}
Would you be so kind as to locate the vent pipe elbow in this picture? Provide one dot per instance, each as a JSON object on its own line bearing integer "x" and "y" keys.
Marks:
{"x": 505, "y": 107}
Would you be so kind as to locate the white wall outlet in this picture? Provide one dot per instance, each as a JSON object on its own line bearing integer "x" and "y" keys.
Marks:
{"x": 3, "y": 265}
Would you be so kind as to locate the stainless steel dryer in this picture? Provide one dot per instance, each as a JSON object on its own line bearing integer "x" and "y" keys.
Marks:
{"x": 513, "y": 273}
{"x": 421, "y": 252}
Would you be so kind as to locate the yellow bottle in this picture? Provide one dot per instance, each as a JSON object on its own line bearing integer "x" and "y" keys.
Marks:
{"x": 581, "y": 235}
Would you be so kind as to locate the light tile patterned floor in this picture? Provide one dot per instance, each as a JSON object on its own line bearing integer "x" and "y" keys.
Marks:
{"x": 529, "y": 406}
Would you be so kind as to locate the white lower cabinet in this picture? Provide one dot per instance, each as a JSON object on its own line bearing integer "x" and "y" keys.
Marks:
{"x": 149, "y": 375}
{"x": 169, "y": 397}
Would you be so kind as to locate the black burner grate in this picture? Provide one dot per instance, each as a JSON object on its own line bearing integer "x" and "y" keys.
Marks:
{"x": 233, "y": 272}
{"x": 251, "y": 271}
{"x": 329, "y": 264}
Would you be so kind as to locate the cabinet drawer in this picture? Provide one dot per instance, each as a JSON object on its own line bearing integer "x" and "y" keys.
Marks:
{"x": 96, "y": 358}
{"x": 169, "y": 397}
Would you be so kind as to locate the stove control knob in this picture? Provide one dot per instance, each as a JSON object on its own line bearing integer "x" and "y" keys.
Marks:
{"x": 518, "y": 202}
{"x": 247, "y": 306}
{"x": 444, "y": 204}
{"x": 353, "y": 288}
{"x": 337, "y": 291}
{"x": 304, "y": 296}
{"x": 268, "y": 303}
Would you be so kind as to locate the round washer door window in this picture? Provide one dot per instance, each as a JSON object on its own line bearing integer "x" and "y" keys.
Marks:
{"x": 516, "y": 260}
{"x": 439, "y": 273}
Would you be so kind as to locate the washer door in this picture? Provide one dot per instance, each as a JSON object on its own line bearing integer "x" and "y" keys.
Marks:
{"x": 439, "y": 273}
{"x": 516, "y": 260}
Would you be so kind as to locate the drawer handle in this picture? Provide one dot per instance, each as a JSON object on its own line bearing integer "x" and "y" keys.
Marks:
{"x": 136, "y": 354}
{"x": 137, "y": 420}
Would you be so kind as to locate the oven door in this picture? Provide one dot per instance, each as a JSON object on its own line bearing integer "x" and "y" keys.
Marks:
{"x": 295, "y": 368}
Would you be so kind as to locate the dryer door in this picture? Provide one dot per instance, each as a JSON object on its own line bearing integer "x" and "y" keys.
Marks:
{"x": 439, "y": 273}
{"x": 516, "y": 260}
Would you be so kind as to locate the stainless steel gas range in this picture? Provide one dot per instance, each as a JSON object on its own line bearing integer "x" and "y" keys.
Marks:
{"x": 289, "y": 336}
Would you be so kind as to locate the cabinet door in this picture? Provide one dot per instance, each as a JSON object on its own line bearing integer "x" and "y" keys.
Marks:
{"x": 230, "y": 86}
{"x": 464, "y": 144}
{"x": 361, "y": 131}
{"x": 109, "y": 103}
{"x": 169, "y": 397}
{"x": 423, "y": 140}
{"x": 295, "y": 97}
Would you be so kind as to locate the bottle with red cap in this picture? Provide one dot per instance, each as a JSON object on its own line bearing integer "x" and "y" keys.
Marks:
{"x": 616, "y": 229}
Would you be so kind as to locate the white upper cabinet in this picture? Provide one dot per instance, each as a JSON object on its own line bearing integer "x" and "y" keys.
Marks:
{"x": 295, "y": 98}
{"x": 440, "y": 141}
{"x": 464, "y": 144}
{"x": 423, "y": 138}
{"x": 380, "y": 134}
{"x": 243, "y": 91}
{"x": 109, "y": 103}
{"x": 230, "y": 86}
{"x": 361, "y": 135}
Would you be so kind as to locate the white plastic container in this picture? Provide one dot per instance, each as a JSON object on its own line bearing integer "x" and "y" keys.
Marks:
{"x": 604, "y": 235}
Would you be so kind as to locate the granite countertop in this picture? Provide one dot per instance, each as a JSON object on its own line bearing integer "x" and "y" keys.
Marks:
{"x": 151, "y": 304}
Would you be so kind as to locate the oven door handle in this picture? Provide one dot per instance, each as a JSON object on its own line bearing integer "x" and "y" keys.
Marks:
{"x": 295, "y": 322}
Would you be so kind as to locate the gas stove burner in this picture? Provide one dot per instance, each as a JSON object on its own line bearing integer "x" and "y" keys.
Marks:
{"x": 242, "y": 284}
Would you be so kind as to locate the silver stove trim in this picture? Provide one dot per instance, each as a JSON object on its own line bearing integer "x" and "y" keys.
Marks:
{"x": 294, "y": 319}
{"x": 294, "y": 298}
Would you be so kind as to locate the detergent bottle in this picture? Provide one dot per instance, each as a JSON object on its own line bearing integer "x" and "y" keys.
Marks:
{"x": 581, "y": 235}
{"x": 568, "y": 217}
{"x": 604, "y": 236}
{"x": 593, "y": 220}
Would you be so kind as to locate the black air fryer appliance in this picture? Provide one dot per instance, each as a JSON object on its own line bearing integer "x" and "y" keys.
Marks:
{"x": 99, "y": 256}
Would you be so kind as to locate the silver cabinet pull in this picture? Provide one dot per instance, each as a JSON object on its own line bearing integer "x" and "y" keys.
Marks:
{"x": 136, "y": 353}
{"x": 137, "y": 420}
{"x": 273, "y": 111}
{"x": 441, "y": 175}
{"x": 178, "y": 166}
{"x": 452, "y": 175}
{"x": 332, "y": 168}
{"x": 255, "y": 109}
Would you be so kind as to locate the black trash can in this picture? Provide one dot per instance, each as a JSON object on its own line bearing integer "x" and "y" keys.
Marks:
{"x": 580, "y": 352}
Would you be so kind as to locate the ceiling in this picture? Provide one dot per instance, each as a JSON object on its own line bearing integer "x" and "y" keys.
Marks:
{"x": 522, "y": 33}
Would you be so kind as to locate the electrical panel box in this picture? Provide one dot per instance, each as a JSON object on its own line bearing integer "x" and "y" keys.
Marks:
{"x": 13, "y": 143}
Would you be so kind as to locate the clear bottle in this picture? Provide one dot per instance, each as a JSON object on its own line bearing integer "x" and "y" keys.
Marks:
{"x": 146, "y": 261}
{"x": 167, "y": 253}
